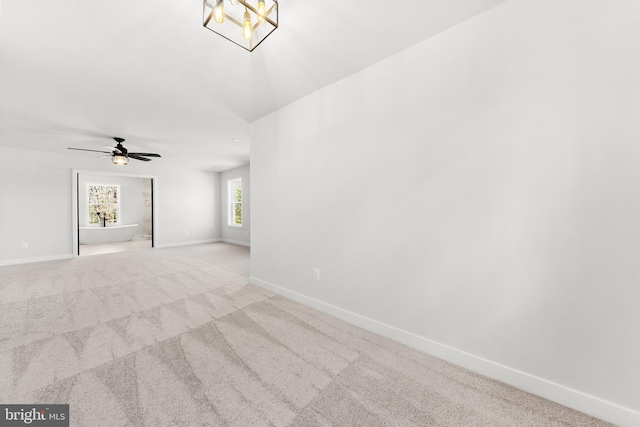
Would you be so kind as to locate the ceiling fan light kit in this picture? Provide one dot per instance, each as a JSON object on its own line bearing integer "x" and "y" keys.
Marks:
{"x": 119, "y": 159}
{"x": 120, "y": 156}
{"x": 244, "y": 22}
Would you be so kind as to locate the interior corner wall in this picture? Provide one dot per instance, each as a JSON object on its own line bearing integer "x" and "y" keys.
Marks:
{"x": 36, "y": 203}
{"x": 237, "y": 235}
{"x": 188, "y": 207}
{"x": 477, "y": 191}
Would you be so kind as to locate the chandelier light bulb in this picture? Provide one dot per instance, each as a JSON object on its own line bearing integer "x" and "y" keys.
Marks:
{"x": 261, "y": 11}
{"x": 218, "y": 12}
{"x": 247, "y": 30}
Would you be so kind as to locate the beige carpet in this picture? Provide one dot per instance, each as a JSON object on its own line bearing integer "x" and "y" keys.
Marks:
{"x": 177, "y": 337}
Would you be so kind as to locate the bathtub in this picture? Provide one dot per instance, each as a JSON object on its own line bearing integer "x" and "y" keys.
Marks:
{"x": 108, "y": 234}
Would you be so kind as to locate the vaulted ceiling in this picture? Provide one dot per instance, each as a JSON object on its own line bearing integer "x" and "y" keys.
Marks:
{"x": 75, "y": 73}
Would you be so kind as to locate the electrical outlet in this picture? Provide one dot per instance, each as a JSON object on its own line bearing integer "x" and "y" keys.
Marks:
{"x": 316, "y": 274}
{"x": 24, "y": 245}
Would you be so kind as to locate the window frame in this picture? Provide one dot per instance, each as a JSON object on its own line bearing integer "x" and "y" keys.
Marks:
{"x": 231, "y": 203}
{"x": 118, "y": 205}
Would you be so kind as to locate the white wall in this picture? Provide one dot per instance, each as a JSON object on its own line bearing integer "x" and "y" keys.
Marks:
{"x": 36, "y": 207}
{"x": 189, "y": 207}
{"x": 242, "y": 235}
{"x": 475, "y": 196}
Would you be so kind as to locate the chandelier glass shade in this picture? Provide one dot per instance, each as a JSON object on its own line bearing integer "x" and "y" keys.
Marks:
{"x": 244, "y": 22}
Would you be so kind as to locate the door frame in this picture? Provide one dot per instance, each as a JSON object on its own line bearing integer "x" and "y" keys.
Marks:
{"x": 75, "y": 206}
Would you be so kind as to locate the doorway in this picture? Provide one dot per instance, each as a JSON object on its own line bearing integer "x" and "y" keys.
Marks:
{"x": 112, "y": 212}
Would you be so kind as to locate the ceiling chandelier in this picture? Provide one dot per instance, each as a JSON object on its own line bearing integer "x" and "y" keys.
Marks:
{"x": 241, "y": 22}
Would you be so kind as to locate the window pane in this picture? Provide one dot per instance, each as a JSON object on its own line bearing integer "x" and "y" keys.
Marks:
{"x": 237, "y": 213}
{"x": 234, "y": 200}
{"x": 94, "y": 193}
{"x": 103, "y": 202}
{"x": 113, "y": 214}
{"x": 111, "y": 194}
{"x": 93, "y": 216}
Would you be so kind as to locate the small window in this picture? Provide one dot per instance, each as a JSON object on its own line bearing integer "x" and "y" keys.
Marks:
{"x": 103, "y": 203}
{"x": 234, "y": 194}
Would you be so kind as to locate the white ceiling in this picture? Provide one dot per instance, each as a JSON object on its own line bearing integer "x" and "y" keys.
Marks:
{"x": 74, "y": 72}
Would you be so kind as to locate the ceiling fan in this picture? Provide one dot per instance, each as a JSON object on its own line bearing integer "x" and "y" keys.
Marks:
{"x": 120, "y": 155}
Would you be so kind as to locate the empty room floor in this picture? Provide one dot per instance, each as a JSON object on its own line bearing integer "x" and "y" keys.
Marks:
{"x": 178, "y": 337}
{"x": 109, "y": 248}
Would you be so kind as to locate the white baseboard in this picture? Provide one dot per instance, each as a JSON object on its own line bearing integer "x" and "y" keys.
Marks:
{"x": 192, "y": 242}
{"x": 594, "y": 406}
{"x": 236, "y": 242}
{"x": 35, "y": 259}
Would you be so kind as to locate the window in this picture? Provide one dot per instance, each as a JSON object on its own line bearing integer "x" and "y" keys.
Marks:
{"x": 103, "y": 201}
{"x": 234, "y": 195}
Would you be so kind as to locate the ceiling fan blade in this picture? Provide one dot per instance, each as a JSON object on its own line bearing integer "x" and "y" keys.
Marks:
{"x": 114, "y": 148}
{"x": 84, "y": 149}
{"x": 145, "y": 154}
{"x": 138, "y": 158}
